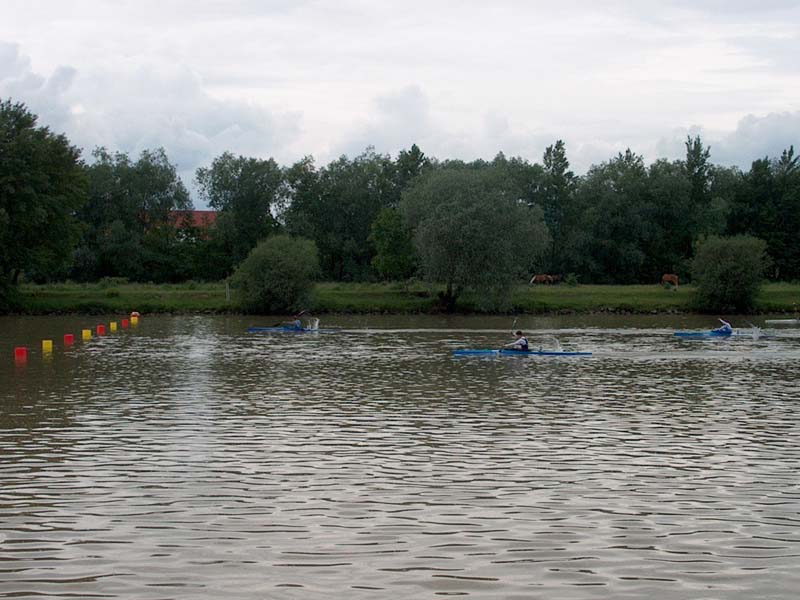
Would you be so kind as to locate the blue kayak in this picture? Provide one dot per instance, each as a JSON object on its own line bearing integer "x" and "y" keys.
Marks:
{"x": 509, "y": 352}
{"x": 714, "y": 333}
{"x": 287, "y": 329}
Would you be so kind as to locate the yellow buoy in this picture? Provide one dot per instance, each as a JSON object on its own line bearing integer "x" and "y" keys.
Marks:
{"x": 86, "y": 334}
{"x": 47, "y": 346}
{"x": 113, "y": 325}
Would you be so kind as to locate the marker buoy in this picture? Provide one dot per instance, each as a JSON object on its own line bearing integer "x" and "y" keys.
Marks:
{"x": 47, "y": 346}
{"x": 124, "y": 323}
{"x": 113, "y": 325}
{"x": 101, "y": 330}
{"x": 69, "y": 339}
{"x": 86, "y": 334}
{"x": 20, "y": 353}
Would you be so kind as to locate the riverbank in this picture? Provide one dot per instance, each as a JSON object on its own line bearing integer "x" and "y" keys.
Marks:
{"x": 385, "y": 298}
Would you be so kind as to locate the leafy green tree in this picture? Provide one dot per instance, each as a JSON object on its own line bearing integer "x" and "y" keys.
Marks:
{"x": 247, "y": 192}
{"x": 471, "y": 232}
{"x": 336, "y": 207}
{"x": 610, "y": 228}
{"x": 277, "y": 276}
{"x": 727, "y": 272}
{"x": 554, "y": 194}
{"x": 708, "y": 203}
{"x": 394, "y": 248}
{"x": 409, "y": 164}
{"x": 128, "y": 230}
{"x": 42, "y": 184}
{"x": 767, "y": 206}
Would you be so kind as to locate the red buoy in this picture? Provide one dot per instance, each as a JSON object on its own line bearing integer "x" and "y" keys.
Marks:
{"x": 124, "y": 323}
{"x": 20, "y": 353}
{"x": 69, "y": 339}
{"x": 101, "y": 330}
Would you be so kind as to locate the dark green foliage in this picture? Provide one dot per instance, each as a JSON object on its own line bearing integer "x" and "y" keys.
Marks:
{"x": 245, "y": 191}
{"x": 42, "y": 184}
{"x": 128, "y": 231}
{"x": 277, "y": 275}
{"x": 727, "y": 272}
{"x": 394, "y": 258}
{"x": 610, "y": 227}
{"x": 472, "y": 233}
{"x": 622, "y": 222}
{"x": 336, "y": 207}
{"x": 768, "y": 206}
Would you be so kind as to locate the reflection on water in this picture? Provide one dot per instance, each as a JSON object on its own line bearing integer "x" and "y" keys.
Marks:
{"x": 189, "y": 459}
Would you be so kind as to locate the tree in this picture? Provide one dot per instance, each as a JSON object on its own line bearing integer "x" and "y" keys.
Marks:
{"x": 767, "y": 206}
{"x": 394, "y": 248}
{"x": 277, "y": 275}
{"x": 610, "y": 226}
{"x": 128, "y": 230}
{"x": 42, "y": 184}
{"x": 410, "y": 164}
{"x": 336, "y": 207}
{"x": 727, "y": 272}
{"x": 247, "y": 192}
{"x": 472, "y": 233}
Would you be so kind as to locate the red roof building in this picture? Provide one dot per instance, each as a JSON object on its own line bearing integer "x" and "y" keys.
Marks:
{"x": 202, "y": 219}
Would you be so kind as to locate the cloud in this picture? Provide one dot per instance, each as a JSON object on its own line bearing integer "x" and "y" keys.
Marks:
{"x": 142, "y": 106}
{"x": 754, "y": 137}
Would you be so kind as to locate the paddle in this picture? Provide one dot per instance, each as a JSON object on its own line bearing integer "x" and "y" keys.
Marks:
{"x": 513, "y": 331}
{"x": 297, "y": 316}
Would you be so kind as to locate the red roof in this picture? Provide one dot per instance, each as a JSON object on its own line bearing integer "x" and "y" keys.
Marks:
{"x": 194, "y": 218}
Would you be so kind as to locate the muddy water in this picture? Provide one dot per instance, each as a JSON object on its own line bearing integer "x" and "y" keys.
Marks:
{"x": 190, "y": 459}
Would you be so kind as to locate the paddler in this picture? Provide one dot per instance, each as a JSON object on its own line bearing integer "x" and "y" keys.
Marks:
{"x": 520, "y": 342}
{"x": 725, "y": 328}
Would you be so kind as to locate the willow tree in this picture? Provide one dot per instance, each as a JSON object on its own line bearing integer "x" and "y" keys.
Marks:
{"x": 471, "y": 232}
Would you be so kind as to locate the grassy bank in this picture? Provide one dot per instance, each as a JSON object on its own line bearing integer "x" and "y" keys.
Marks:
{"x": 393, "y": 298}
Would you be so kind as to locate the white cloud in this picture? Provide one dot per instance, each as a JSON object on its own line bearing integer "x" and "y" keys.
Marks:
{"x": 461, "y": 78}
{"x": 755, "y": 137}
{"x": 139, "y": 107}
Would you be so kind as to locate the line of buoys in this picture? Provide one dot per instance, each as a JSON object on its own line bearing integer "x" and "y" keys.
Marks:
{"x": 21, "y": 352}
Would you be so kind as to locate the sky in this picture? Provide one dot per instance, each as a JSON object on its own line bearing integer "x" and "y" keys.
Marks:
{"x": 461, "y": 79}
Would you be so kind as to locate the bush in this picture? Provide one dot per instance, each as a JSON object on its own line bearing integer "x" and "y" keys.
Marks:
{"x": 277, "y": 275}
{"x": 727, "y": 272}
{"x": 10, "y": 300}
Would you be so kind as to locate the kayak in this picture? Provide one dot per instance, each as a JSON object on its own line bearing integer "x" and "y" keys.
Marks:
{"x": 704, "y": 334}
{"x": 287, "y": 330}
{"x": 508, "y": 352}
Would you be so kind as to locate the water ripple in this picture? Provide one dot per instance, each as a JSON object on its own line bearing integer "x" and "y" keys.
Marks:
{"x": 192, "y": 460}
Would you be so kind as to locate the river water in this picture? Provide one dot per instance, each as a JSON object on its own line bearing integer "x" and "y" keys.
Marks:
{"x": 187, "y": 458}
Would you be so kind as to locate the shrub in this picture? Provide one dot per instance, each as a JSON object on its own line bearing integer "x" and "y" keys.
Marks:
{"x": 727, "y": 272}
{"x": 277, "y": 275}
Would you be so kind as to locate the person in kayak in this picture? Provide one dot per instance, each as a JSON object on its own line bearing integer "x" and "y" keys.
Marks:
{"x": 296, "y": 324}
{"x": 725, "y": 328}
{"x": 520, "y": 343}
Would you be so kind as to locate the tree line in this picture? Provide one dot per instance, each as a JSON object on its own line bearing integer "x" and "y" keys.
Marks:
{"x": 482, "y": 224}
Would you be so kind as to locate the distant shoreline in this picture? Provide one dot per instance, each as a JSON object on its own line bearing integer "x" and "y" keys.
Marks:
{"x": 380, "y": 298}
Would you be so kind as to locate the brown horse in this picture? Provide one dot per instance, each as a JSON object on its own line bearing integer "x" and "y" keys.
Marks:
{"x": 670, "y": 278}
{"x": 542, "y": 278}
